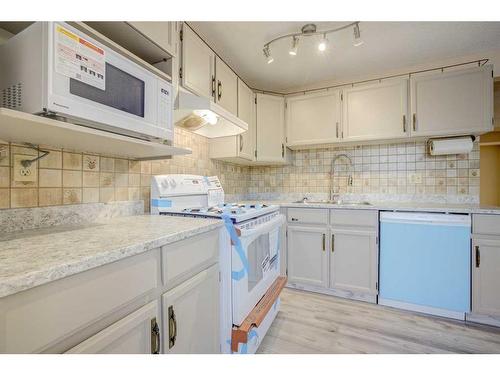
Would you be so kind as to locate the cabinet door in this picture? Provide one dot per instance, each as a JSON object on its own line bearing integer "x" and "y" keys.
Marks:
{"x": 162, "y": 34}
{"x": 191, "y": 315}
{"x": 134, "y": 334}
{"x": 452, "y": 103}
{"x": 270, "y": 128}
{"x": 307, "y": 255}
{"x": 226, "y": 87}
{"x": 486, "y": 277}
{"x": 354, "y": 261}
{"x": 198, "y": 60}
{"x": 246, "y": 112}
{"x": 313, "y": 118}
{"x": 376, "y": 111}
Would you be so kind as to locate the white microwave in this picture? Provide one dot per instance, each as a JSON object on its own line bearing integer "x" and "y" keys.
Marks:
{"x": 53, "y": 69}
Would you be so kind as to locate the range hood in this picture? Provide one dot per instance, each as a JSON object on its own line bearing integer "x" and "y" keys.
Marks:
{"x": 204, "y": 117}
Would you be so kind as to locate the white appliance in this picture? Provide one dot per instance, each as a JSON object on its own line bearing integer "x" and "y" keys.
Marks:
{"x": 51, "y": 68}
{"x": 249, "y": 250}
{"x": 205, "y": 117}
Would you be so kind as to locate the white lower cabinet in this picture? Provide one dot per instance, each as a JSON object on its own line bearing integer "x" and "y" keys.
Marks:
{"x": 307, "y": 255}
{"x": 191, "y": 315}
{"x": 354, "y": 261}
{"x": 486, "y": 277}
{"x": 137, "y": 333}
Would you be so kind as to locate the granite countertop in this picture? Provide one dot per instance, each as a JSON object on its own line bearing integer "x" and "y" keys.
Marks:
{"x": 34, "y": 257}
{"x": 393, "y": 206}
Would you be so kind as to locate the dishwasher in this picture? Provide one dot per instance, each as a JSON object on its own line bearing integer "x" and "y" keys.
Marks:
{"x": 425, "y": 262}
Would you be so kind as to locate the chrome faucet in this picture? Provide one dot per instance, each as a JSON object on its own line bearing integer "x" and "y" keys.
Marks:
{"x": 333, "y": 194}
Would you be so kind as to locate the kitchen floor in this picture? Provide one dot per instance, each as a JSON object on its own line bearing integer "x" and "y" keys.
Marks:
{"x": 315, "y": 323}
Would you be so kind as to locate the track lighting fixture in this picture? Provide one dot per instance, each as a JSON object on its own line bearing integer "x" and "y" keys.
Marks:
{"x": 357, "y": 36}
{"x": 310, "y": 30}
{"x": 295, "y": 44}
{"x": 267, "y": 54}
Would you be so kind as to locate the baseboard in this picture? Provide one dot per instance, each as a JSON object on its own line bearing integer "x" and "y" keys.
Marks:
{"x": 483, "y": 319}
{"x": 422, "y": 309}
{"x": 335, "y": 292}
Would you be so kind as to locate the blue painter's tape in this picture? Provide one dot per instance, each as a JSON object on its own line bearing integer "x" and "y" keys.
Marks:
{"x": 251, "y": 335}
{"x": 236, "y": 275}
{"x": 161, "y": 203}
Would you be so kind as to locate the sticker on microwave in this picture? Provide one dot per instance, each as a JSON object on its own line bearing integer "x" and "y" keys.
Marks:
{"x": 78, "y": 58}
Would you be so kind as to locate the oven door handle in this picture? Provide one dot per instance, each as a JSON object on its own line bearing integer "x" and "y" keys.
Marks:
{"x": 264, "y": 228}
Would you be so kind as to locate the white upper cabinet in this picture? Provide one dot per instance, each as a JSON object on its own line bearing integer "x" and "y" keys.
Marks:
{"x": 163, "y": 34}
{"x": 452, "y": 103}
{"x": 270, "y": 128}
{"x": 313, "y": 118}
{"x": 198, "y": 64}
{"x": 376, "y": 111}
{"x": 246, "y": 112}
{"x": 226, "y": 87}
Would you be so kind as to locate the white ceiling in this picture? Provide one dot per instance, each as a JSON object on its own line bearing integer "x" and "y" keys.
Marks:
{"x": 388, "y": 46}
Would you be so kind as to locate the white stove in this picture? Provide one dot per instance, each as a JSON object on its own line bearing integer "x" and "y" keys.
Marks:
{"x": 249, "y": 252}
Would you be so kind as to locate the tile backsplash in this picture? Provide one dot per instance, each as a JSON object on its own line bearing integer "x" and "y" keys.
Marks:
{"x": 399, "y": 171}
{"x": 65, "y": 177}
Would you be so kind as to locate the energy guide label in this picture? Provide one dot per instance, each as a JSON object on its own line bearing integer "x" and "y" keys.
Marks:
{"x": 79, "y": 59}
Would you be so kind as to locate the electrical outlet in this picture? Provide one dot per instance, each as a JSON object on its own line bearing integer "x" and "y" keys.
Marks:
{"x": 415, "y": 178}
{"x": 21, "y": 173}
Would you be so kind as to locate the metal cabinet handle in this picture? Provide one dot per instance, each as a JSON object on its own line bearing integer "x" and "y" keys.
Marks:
{"x": 337, "y": 130}
{"x": 324, "y": 242}
{"x": 241, "y": 142}
{"x": 282, "y": 150}
{"x": 333, "y": 243}
{"x": 414, "y": 122}
{"x": 404, "y": 123}
{"x": 478, "y": 257}
{"x": 213, "y": 86}
{"x": 172, "y": 327}
{"x": 294, "y": 219}
{"x": 219, "y": 90}
{"x": 155, "y": 337}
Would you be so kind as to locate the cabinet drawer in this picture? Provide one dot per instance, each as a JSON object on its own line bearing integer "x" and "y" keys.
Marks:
{"x": 38, "y": 318}
{"x": 486, "y": 224}
{"x": 183, "y": 259}
{"x": 308, "y": 215}
{"x": 358, "y": 218}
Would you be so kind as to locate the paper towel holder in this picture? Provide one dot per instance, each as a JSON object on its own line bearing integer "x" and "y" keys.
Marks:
{"x": 430, "y": 140}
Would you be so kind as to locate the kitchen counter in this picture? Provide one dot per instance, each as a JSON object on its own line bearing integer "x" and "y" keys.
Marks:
{"x": 393, "y": 206}
{"x": 35, "y": 257}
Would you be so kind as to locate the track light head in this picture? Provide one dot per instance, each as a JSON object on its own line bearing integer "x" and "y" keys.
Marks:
{"x": 295, "y": 44}
{"x": 357, "y": 36}
{"x": 322, "y": 44}
{"x": 267, "y": 54}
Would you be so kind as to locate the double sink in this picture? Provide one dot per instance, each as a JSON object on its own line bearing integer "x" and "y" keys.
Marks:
{"x": 334, "y": 202}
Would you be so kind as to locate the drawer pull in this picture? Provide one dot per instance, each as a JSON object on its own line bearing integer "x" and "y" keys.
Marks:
{"x": 324, "y": 242}
{"x": 478, "y": 257}
{"x": 333, "y": 243}
{"x": 172, "y": 327}
{"x": 294, "y": 219}
{"x": 155, "y": 337}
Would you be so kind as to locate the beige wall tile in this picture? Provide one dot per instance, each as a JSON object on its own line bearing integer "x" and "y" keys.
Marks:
{"x": 4, "y": 154}
{"x": 90, "y": 195}
{"x": 121, "y": 165}
{"x": 20, "y": 197}
{"x": 50, "y": 178}
{"x": 72, "y": 161}
{"x": 145, "y": 167}
{"x": 72, "y": 178}
{"x": 72, "y": 196}
{"x": 4, "y": 198}
{"x": 121, "y": 193}
{"x": 50, "y": 196}
{"x": 107, "y": 164}
{"x": 107, "y": 179}
{"x": 91, "y": 163}
{"x": 134, "y": 194}
{"x": 145, "y": 180}
{"x": 52, "y": 160}
{"x": 4, "y": 177}
{"x": 134, "y": 166}
{"x": 106, "y": 194}
{"x": 134, "y": 180}
{"x": 90, "y": 179}
{"x": 25, "y": 184}
{"x": 121, "y": 179}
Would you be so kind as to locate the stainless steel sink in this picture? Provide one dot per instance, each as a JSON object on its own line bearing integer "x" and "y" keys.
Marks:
{"x": 338, "y": 203}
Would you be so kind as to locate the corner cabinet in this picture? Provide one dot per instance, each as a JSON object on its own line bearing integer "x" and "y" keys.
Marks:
{"x": 198, "y": 64}
{"x": 226, "y": 93}
{"x": 313, "y": 118}
{"x": 163, "y": 34}
{"x": 452, "y": 102}
{"x": 270, "y": 129}
{"x": 376, "y": 111}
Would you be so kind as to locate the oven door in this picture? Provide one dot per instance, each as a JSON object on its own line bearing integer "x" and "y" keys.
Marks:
{"x": 255, "y": 265}
{"x": 91, "y": 82}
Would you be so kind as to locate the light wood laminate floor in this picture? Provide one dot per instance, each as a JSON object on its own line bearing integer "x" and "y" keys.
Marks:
{"x": 315, "y": 323}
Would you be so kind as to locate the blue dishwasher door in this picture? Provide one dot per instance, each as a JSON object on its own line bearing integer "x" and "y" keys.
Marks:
{"x": 425, "y": 262}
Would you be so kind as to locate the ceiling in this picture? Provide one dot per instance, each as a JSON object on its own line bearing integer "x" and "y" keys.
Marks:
{"x": 387, "y": 46}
